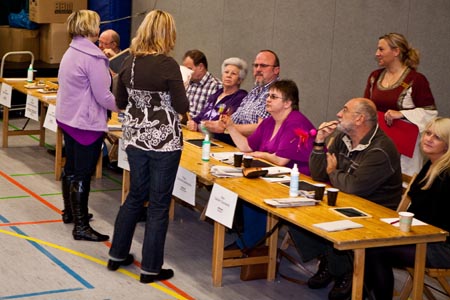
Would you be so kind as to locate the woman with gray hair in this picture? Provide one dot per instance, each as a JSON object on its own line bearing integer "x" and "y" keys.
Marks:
{"x": 226, "y": 100}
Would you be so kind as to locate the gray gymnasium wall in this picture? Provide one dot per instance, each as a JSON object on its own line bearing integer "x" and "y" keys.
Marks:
{"x": 326, "y": 46}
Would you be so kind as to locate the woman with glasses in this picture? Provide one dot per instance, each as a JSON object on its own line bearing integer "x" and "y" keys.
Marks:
{"x": 226, "y": 100}
{"x": 429, "y": 203}
{"x": 282, "y": 139}
{"x": 400, "y": 92}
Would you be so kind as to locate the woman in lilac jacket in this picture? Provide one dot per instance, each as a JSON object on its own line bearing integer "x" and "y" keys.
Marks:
{"x": 81, "y": 112}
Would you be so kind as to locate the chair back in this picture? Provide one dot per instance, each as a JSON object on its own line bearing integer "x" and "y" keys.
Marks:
{"x": 406, "y": 201}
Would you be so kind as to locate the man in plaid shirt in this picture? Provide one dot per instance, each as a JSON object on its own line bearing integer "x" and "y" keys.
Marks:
{"x": 202, "y": 84}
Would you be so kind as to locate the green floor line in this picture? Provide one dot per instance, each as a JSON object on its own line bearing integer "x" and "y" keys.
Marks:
{"x": 50, "y": 194}
{"x": 31, "y": 174}
{"x": 92, "y": 191}
{"x": 107, "y": 190}
{"x": 13, "y": 197}
{"x": 31, "y": 136}
{"x": 52, "y": 172}
{"x": 112, "y": 179}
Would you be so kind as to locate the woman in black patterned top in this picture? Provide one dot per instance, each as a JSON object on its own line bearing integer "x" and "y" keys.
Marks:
{"x": 150, "y": 89}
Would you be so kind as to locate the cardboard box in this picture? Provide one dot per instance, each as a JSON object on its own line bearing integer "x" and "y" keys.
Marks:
{"x": 54, "y": 41}
{"x": 54, "y": 11}
{"x": 18, "y": 39}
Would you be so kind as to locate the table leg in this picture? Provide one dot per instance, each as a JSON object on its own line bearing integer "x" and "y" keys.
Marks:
{"x": 99, "y": 166}
{"x": 125, "y": 185}
{"x": 273, "y": 247}
{"x": 217, "y": 253}
{"x": 5, "y": 126}
{"x": 419, "y": 271}
{"x": 58, "y": 153}
{"x": 41, "y": 124}
{"x": 358, "y": 274}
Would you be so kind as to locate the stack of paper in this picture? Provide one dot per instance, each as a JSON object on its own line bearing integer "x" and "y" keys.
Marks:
{"x": 338, "y": 225}
{"x": 394, "y": 222}
{"x": 290, "y": 202}
{"x": 225, "y": 157}
{"x": 225, "y": 171}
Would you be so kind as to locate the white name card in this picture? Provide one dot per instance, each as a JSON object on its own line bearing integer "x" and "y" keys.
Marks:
{"x": 185, "y": 184}
{"x": 221, "y": 205}
{"x": 50, "y": 119}
{"x": 32, "y": 108}
{"x": 5, "y": 95}
{"x": 122, "y": 157}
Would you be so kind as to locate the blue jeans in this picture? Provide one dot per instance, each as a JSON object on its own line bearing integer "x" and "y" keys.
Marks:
{"x": 254, "y": 225}
{"x": 152, "y": 176}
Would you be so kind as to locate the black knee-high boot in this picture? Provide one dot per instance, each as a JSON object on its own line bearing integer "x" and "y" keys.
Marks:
{"x": 66, "y": 181}
{"x": 65, "y": 186}
{"x": 79, "y": 195}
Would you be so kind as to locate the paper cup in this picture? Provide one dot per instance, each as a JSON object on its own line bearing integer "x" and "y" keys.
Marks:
{"x": 238, "y": 159}
{"x": 319, "y": 189}
{"x": 405, "y": 220}
{"x": 332, "y": 194}
{"x": 247, "y": 161}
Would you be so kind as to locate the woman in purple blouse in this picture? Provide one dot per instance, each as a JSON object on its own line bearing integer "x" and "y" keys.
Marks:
{"x": 281, "y": 139}
{"x": 226, "y": 100}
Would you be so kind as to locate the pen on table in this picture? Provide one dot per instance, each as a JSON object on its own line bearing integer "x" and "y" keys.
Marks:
{"x": 395, "y": 222}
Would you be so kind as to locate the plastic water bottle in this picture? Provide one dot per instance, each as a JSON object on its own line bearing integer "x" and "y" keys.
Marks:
{"x": 206, "y": 148}
{"x": 30, "y": 73}
{"x": 293, "y": 187}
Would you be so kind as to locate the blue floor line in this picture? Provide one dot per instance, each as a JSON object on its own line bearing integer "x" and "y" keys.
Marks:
{"x": 51, "y": 257}
{"x": 40, "y": 294}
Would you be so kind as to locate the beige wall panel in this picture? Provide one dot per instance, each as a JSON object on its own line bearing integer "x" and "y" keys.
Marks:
{"x": 429, "y": 31}
{"x": 357, "y": 28}
{"x": 303, "y": 37}
{"x": 326, "y": 46}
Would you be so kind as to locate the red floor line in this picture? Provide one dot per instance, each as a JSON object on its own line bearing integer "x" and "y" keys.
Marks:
{"x": 165, "y": 282}
{"x": 45, "y": 202}
{"x": 30, "y": 192}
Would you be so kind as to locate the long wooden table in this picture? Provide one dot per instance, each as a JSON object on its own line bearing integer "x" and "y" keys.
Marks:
{"x": 45, "y": 101}
{"x": 375, "y": 233}
{"x": 19, "y": 85}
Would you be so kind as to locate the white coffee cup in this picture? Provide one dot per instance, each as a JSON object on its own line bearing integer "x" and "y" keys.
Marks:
{"x": 405, "y": 220}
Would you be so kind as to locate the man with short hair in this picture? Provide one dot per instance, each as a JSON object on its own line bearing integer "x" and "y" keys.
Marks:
{"x": 251, "y": 112}
{"x": 202, "y": 84}
{"x": 359, "y": 159}
{"x": 109, "y": 42}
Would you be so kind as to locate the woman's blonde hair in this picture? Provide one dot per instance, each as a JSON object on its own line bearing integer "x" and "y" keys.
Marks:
{"x": 83, "y": 22}
{"x": 441, "y": 127}
{"x": 409, "y": 56}
{"x": 155, "y": 35}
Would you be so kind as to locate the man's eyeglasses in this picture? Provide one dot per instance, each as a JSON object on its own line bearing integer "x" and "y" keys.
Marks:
{"x": 273, "y": 97}
{"x": 105, "y": 43}
{"x": 262, "y": 66}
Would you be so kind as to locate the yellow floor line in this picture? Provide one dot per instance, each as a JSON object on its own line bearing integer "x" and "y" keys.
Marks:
{"x": 96, "y": 260}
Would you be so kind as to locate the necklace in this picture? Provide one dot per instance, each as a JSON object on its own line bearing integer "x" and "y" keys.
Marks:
{"x": 391, "y": 79}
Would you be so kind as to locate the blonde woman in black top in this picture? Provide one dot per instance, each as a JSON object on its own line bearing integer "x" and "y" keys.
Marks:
{"x": 429, "y": 202}
{"x": 151, "y": 91}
